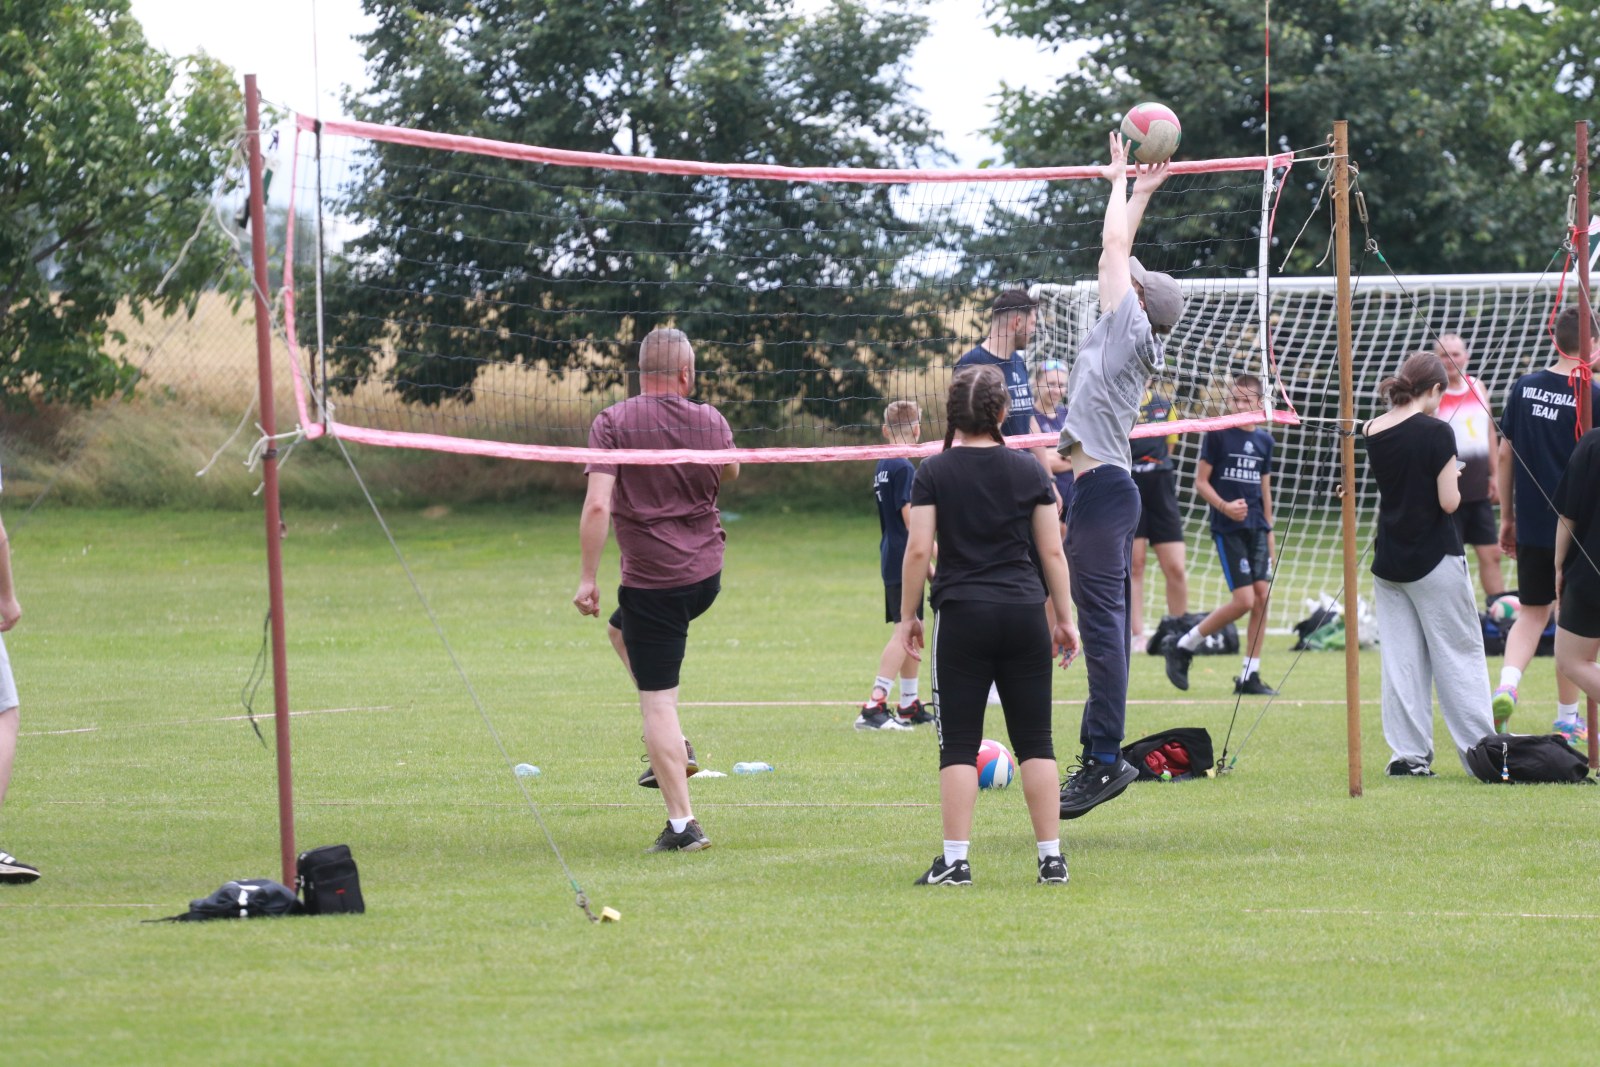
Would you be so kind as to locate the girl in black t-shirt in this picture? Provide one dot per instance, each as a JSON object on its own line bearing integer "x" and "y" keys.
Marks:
{"x": 1429, "y": 635}
{"x": 992, "y": 508}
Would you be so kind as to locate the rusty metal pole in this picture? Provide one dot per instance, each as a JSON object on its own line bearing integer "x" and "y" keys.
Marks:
{"x": 1585, "y": 416}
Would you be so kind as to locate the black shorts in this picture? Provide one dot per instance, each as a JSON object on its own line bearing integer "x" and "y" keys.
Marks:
{"x": 1580, "y": 607}
{"x": 891, "y": 603}
{"x": 974, "y": 644}
{"x": 655, "y": 628}
{"x": 1536, "y": 575}
{"x": 1159, "y": 521}
{"x": 1245, "y": 556}
{"x": 1475, "y": 520}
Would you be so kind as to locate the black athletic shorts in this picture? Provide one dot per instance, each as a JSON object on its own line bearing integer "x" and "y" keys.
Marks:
{"x": 1536, "y": 575}
{"x": 1580, "y": 608}
{"x": 1245, "y": 556}
{"x": 1475, "y": 520}
{"x": 891, "y": 603}
{"x": 1159, "y": 521}
{"x": 655, "y": 628}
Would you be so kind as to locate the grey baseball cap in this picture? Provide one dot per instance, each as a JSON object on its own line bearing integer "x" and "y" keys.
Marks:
{"x": 1163, "y": 300}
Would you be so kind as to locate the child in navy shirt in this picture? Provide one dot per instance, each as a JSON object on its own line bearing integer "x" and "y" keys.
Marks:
{"x": 891, "y": 485}
{"x": 1234, "y": 476}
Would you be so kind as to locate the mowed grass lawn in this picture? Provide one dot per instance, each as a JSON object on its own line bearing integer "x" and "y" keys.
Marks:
{"x": 1265, "y": 917}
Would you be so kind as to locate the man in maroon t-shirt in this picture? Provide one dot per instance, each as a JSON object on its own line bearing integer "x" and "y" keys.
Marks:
{"x": 671, "y": 544}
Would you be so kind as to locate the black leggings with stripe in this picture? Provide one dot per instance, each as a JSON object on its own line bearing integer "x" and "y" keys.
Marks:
{"x": 974, "y": 644}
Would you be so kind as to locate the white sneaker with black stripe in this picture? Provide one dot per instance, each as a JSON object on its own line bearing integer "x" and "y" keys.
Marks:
{"x": 14, "y": 871}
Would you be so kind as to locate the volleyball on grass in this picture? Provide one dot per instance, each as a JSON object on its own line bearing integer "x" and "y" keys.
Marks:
{"x": 996, "y": 768}
{"x": 1153, "y": 132}
{"x": 1505, "y": 609}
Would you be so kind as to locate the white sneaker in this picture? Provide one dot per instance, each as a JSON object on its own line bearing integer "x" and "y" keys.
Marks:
{"x": 14, "y": 871}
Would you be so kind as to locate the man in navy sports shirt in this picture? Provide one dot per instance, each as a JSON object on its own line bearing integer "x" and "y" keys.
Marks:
{"x": 1013, "y": 314}
{"x": 1234, "y": 476}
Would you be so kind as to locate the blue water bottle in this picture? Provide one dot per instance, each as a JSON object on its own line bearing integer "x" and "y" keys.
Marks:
{"x": 751, "y": 768}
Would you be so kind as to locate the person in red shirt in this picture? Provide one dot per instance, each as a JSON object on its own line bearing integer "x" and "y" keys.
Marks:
{"x": 1465, "y": 406}
{"x": 671, "y": 539}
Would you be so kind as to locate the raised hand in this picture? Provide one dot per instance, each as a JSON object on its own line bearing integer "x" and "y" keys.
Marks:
{"x": 1117, "y": 169}
{"x": 1147, "y": 177}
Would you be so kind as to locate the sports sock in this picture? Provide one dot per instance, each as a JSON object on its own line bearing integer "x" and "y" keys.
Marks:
{"x": 1049, "y": 848}
{"x": 883, "y": 685}
{"x": 1567, "y": 712}
{"x": 1106, "y": 759}
{"x": 1510, "y": 676}
{"x": 908, "y": 692}
{"x": 1251, "y": 666}
{"x": 679, "y": 825}
{"x": 1191, "y": 640}
{"x": 955, "y": 850}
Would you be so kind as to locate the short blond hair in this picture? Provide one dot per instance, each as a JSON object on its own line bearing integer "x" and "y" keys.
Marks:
{"x": 902, "y": 415}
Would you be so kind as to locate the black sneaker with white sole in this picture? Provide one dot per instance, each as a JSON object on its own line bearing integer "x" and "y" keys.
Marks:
{"x": 942, "y": 873}
{"x": 1053, "y": 870}
{"x": 1253, "y": 686}
{"x": 692, "y": 768}
{"x": 1178, "y": 660}
{"x": 1404, "y": 768}
{"x": 1092, "y": 783}
{"x": 878, "y": 717}
{"x": 690, "y": 839}
{"x": 14, "y": 872}
{"x": 914, "y": 714}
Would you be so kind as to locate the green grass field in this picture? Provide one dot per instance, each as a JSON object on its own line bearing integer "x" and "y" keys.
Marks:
{"x": 1264, "y": 917}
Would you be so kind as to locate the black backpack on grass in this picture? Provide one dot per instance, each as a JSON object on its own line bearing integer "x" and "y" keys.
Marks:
{"x": 1224, "y": 642}
{"x": 1527, "y": 758}
{"x": 1183, "y": 753}
{"x": 328, "y": 880}
{"x": 246, "y": 898}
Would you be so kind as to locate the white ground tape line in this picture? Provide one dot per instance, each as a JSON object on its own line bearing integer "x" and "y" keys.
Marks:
{"x": 266, "y": 717}
{"x": 1420, "y": 914}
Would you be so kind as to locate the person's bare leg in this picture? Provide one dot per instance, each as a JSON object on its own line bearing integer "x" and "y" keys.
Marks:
{"x": 663, "y": 740}
{"x": 1174, "y": 570}
{"x": 1575, "y": 662}
{"x": 958, "y": 795}
{"x": 1136, "y": 592}
{"x": 1258, "y": 621}
{"x": 615, "y": 636}
{"x": 1490, "y": 575}
{"x": 9, "y": 719}
{"x": 1041, "y": 786}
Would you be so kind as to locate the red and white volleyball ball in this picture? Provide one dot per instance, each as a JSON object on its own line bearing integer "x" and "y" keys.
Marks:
{"x": 996, "y": 768}
{"x": 1153, "y": 132}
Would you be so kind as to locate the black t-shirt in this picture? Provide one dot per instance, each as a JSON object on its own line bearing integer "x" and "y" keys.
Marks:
{"x": 1414, "y": 532}
{"x": 1577, "y": 498}
{"x": 1015, "y": 370}
{"x": 984, "y": 499}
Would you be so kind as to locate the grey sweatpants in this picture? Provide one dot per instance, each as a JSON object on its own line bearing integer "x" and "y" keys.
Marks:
{"x": 1430, "y": 638}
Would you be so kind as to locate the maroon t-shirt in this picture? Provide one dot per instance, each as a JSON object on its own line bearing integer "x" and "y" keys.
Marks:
{"x": 665, "y": 517}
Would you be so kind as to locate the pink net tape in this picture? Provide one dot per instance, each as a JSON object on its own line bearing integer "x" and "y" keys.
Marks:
{"x": 667, "y": 457}
{"x": 604, "y": 160}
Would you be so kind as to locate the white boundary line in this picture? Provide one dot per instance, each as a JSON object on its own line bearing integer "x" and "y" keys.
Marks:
{"x": 1420, "y": 914}
{"x": 267, "y": 716}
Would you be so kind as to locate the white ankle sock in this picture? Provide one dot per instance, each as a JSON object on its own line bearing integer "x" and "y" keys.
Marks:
{"x": 1566, "y": 712}
{"x": 955, "y": 850}
{"x": 679, "y": 825}
{"x": 1191, "y": 640}
{"x": 908, "y": 692}
{"x": 1049, "y": 848}
{"x": 1251, "y": 666}
{"x": 1510, "y": 676}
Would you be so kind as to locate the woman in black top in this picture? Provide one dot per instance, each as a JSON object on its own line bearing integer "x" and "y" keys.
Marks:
{"x": 1577, "y": 504}
{"x": 1428, "y": 629}
{"x": 991, "y": 508}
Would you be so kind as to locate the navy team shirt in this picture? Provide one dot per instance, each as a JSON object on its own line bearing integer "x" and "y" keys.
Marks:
{"x": 1240, "y": 457}
{"x": 1015, "y": 370}
{"x": 891, "y": 484}
{"x": 1540, "y": 421}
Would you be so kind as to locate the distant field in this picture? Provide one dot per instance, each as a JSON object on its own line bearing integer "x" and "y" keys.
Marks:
{"x": 1262, "y": 918}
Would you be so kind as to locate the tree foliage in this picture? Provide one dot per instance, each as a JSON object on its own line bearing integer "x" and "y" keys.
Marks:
{"x": 766, "y": 277}
{"x": 1460, "y": 110}
{"x": 109, "y": 152}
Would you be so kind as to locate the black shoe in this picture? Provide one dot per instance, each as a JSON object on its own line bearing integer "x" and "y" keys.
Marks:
{"x": 1092, "y": 783}
{"x": 1053, "y": 871}
{"x": 15, "y": 872}
{"x": 879, "y": 717}
{"x": 1404, "y": 768}
{"x": 648, "y": 778}
{"x": 693, "y": 839}
{"x": 1253, "y": 686}
{"x": 915, "y": 715}
{"x": 1178, "y": 660}
{"x": 942, "y": 873}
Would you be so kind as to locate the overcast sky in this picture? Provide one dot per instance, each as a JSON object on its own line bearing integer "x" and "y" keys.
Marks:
{"x": 958, "y": 69}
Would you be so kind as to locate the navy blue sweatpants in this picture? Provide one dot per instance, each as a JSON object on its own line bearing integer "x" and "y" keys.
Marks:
{"x": 1100, "y": 527}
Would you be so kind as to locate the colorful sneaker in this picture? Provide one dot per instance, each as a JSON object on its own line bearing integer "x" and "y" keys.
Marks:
{"x": 692, "y": 768}
{"x": 914, "y": 714}
{"x": 1253, "y": 686}
{"x": 1092, "y": 783}
{"x": 878, "y": 717}
{"x": 1178, "y": 660}
{"x": 692, "y": 839}
{"x": 1504, "y": 703}
{"x": 1053, "y": 871}
{"x": 13, "y": 871}
{"x": 1575, "y": 734}
{"x": 942, "y": 873}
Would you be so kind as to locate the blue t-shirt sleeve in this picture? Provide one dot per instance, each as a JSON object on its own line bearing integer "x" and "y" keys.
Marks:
{"x": 1267, "y": 445}
{"x": 1211, "y": 448}
{"x": 1508, "y": 417}
{"x": 900, "y": 480}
